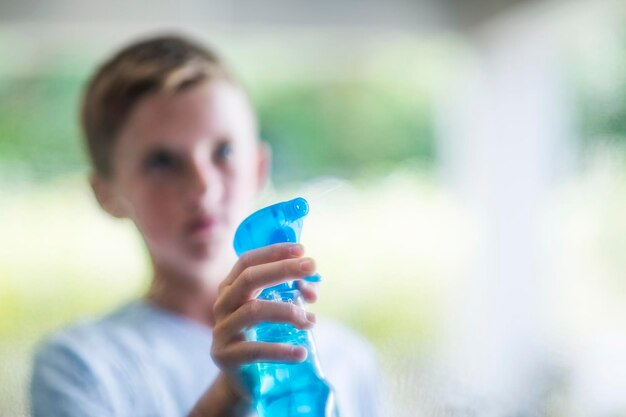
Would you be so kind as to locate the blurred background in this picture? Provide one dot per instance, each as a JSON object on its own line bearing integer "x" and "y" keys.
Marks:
{"x": 465, "y": 161}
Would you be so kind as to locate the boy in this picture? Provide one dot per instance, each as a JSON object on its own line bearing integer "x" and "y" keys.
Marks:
{"x": 174, "y": 147}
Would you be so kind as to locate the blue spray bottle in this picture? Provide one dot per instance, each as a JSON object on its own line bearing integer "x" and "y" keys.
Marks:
{"x": 283, "y": 389}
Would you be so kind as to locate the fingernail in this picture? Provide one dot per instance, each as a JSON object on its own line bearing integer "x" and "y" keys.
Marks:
{"x": 298, "y": 352}
{"x": 296, "y": 250}
{"x": 306, "y": 265}
{"x": 311, "y": 317}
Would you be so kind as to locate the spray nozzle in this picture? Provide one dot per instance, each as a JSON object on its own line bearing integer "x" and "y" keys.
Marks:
{"x": 280, "y": 222}
{"x": 295, "y": 209}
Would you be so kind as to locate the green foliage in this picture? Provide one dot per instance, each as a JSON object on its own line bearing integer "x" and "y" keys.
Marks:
{"x": 38, "y": 126}
{"x": 345, "y": 128}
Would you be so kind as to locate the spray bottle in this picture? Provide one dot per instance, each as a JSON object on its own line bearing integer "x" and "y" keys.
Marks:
{"x": 283, "y": 389}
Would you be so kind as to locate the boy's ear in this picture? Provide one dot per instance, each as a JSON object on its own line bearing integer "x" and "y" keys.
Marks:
{"x": 107, "y": 197}
{"x": 264, "y": 164}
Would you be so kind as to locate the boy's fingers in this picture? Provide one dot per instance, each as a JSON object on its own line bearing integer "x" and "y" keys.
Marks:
{"x": 255, "y": 311}
{"x": 308, "y": 290}
{"x": 245, "y": 352}
{"x": 253, "y": 279}
{"x": 266, "y": 254}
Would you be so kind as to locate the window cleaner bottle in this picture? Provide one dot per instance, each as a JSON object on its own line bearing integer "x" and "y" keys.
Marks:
{"x": 283, "y": 389}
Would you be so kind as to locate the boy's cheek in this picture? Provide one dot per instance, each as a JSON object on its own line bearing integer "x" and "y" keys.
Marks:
{"x": 155, "y": 218}
{"x": 151, "y": 229}
{"x": 152, "y": 196}
{"x": 161, "y": 242}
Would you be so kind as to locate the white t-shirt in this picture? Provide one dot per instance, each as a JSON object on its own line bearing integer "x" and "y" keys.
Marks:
{"x": 143, "y": 361}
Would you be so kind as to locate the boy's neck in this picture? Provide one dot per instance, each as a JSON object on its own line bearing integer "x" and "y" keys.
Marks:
{"x": 190, "y": 297}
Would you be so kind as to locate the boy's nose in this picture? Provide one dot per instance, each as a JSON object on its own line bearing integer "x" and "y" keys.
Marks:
{"x": 204, "y": 186}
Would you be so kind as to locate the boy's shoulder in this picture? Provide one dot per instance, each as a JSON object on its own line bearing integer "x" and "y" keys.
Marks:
{"x": 110, "y": 358}
{"x": 88, "y": 327}
{"x": 80, "y": 339}
{"x": 133, "y": 329}
{"x": 77, "y": 355}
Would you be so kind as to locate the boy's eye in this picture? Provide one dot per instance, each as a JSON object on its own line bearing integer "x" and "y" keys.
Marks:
{"x": 160, "y": 161}
{"x": 224, "y": 151}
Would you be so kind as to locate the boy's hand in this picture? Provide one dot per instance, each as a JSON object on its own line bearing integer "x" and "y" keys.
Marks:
{"x": 237, "y": 309}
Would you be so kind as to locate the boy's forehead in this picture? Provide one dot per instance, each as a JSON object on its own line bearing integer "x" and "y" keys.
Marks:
{"x": 212, "y": 108}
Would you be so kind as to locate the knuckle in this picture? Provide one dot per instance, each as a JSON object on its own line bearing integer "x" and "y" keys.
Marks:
{"x": 217, "y": 355}
{"x": 295, "y": 312}
{"x": 247, "y": 277}
{"x": 217, "y": 330}
{"x": 255, "y": 308}
{"x": 222, "y": 286}
{"x": 291, "y": 309}
{"x": 218, "y": 307}
{"x": 224, "y": 361}
{"x": 217, "y": 311}
{"x": 287, "y": 268}
{"x": 255, "y": 352}
{"x": 277, "y": 251}
{"x": 245, "y": 259}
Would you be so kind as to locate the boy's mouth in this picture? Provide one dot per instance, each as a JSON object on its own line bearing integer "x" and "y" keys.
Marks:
{"x": 201, "y": 225}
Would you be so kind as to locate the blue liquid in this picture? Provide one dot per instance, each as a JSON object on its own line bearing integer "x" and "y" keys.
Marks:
{"x": 283, "y": 389}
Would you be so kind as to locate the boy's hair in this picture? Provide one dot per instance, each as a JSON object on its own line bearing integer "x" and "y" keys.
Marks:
{"x": 162, "y": 64}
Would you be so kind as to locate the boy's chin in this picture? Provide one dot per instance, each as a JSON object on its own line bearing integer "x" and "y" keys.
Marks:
{"x": 210, "y": 254}
{"x": 197, "y": 265}
{"x": 204, "y": 252}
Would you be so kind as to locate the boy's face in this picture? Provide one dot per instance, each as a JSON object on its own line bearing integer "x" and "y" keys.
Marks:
{"x": 187, "y": 167}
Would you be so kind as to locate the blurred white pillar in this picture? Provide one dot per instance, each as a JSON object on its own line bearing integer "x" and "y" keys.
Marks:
{"x": 504, "y": 134}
